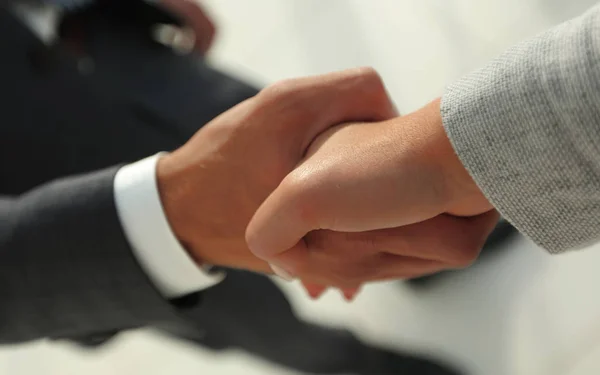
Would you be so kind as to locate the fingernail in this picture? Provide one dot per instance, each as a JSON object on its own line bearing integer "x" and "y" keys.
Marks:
{"x": 282, "y": 273}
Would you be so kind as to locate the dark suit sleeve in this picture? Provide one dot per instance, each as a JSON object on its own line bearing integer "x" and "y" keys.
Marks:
{"x": 66, "y": 269}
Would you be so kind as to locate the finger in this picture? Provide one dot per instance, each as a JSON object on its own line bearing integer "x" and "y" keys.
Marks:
{"x": 398, "y": 267}
{"x": 350, "y": 259}
{"x": 293, "y": 262}
{"x": 323, "y": 101}
{"x": 382, "y": 267}
{"x": 281, "y": 272}
{"x": 295, "y": 258}
{"x": 350, "y": 293}
{"x": 457, "y": 241}
{"x": 446, "y": 239}
{"x": 276, "y": 227}
{"x": 319, "y": 267}
{"x": 314, "y": 290}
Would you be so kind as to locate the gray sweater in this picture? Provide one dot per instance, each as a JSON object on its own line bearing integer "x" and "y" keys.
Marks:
{"x": 527, "y": 127}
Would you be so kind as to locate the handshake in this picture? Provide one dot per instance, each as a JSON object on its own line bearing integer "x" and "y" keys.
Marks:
{"x": 319, "y": 179}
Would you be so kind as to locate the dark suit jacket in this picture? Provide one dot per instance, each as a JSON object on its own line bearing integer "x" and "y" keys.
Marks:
{"x": 66, "y": 268}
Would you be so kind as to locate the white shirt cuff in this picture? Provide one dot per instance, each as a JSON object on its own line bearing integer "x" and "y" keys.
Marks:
{"x": 144, "y": 222}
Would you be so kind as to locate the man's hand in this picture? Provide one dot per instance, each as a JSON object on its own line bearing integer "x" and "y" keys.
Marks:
{"x": 397, "y": 181}
{"x": 211, "y": 187}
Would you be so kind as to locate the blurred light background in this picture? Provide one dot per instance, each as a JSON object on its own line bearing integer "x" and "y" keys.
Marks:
{"x": 521, "y": 312}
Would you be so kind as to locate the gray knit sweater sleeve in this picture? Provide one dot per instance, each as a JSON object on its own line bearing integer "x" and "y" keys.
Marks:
{"x": 527, "y": 127}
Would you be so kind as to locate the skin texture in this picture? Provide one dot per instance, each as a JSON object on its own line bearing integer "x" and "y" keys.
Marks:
{"x": 394, "y": 188}
{"x": 212, "y": 186}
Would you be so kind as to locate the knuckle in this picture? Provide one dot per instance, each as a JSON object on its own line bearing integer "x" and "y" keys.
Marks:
{"x": 373, "y": 88}
{"x": 280, "y": 90}
{"x": 370, "y": 76}
{"x": 370, "y": 80}
{"x": 290, "y": 100}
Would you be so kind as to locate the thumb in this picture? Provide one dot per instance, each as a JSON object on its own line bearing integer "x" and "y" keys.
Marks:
{"x": 279, "y": 223}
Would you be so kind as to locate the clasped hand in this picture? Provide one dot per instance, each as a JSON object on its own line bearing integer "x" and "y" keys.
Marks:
{"x": 320, "y": 178}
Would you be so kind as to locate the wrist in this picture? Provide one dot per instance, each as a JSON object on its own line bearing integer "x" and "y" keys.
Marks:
{"x": 141, "y": 212}
{"x": 189, "y": 205}
{"x": 463, "y": 196}
{"x": 172, "y": 185}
